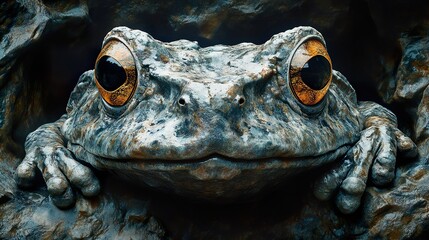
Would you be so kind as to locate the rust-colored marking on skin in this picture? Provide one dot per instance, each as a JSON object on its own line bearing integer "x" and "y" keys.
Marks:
{"x": 421, "y": 66}
{"x": 253, "y": 76}
{"x": 148, "y": 92}
{"x": 94, "y": 202}
{"x": 280, "y": 81}
{"x": 197, "y": 120}
{"x": 267, "y": 73}
{"x": 164, "y": 58}
{"x": 419, "y": 174}
{"x": 232, "y": 91}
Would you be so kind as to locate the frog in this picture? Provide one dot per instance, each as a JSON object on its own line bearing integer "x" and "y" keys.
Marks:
{"x": 217, "y": 123}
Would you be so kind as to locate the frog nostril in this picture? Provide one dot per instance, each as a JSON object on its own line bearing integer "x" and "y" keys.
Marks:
{"x": 182, "y": 102}
{"x": 240, "y": 100}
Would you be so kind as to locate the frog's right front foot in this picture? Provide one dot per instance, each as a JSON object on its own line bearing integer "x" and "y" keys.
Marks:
{"x": 59, "y": 169}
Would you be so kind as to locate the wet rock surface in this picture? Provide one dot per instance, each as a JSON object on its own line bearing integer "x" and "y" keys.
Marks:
{"x": 46, "y": 45}
{"x": 31, "y": 215}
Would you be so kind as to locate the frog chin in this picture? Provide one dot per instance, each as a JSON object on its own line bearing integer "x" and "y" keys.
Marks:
{"x": 213, "y": 177}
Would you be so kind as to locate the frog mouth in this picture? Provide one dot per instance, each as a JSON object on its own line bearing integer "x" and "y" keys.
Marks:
{"x": 213, "y": 178}
{"x": 211, "y": 166}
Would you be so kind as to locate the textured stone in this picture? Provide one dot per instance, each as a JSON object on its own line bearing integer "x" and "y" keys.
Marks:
{"x": 412, "y": 75}
{"x": 32, "y": 215}
{"x": 395, "y": 31}
{"x": 422, "y": 126}
{"x": 401, "y": 211}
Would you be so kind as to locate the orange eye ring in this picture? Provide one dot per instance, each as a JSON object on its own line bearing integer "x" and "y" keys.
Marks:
{"x": 310, "y": 72}
{"x": 115, "y": 73}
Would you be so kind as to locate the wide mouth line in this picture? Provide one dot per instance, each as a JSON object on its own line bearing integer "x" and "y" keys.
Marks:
{"x": 220, "y": 157}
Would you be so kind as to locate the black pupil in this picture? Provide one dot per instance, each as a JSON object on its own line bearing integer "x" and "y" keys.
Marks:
{"x": 316, "y": 72}
{"x": 110, "y": 74}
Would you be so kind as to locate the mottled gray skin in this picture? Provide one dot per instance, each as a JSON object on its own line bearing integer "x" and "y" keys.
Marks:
{"x": 212, "y": 146}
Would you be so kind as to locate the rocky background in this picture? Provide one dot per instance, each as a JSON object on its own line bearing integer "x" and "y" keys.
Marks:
{"x": 381, "y": 46}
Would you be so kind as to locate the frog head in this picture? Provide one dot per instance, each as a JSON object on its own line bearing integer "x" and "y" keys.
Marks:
{"x": 213, "y": 122}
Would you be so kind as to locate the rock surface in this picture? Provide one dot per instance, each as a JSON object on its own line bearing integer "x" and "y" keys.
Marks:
{"x": 381, "y": 46}
{"x": 30, "y": 215}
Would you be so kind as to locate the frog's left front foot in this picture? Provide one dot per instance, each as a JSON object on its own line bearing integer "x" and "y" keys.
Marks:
{"x": 375, "y": 152}
{"x": 60, "y": 171}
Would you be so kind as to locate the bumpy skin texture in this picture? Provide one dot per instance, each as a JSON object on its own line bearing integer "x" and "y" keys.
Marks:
{"x": 213, "y": 146}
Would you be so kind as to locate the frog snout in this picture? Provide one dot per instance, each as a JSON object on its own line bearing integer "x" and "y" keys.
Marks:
{"x": 216, "y": 97}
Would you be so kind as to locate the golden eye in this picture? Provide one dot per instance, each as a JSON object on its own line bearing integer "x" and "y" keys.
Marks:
{"x": 310, "y": 72}
{"x": 115, "y": 73}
